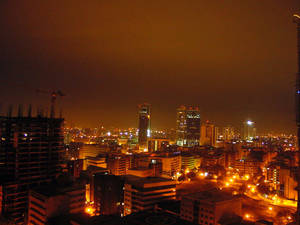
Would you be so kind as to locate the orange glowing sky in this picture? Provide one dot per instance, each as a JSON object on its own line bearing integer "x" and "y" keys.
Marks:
{"x": 234, "y": 59}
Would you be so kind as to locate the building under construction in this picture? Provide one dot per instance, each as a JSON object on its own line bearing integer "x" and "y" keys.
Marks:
{"x": 31, "y": 154}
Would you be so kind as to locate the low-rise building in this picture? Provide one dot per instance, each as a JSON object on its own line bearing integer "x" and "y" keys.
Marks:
{"x": 207, "y": 207}
{"x": 143, "y": 193}
{"x": 51, "y": 201}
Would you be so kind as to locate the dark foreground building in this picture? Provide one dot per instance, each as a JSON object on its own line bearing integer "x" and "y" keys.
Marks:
{"x": 31, "y": 154}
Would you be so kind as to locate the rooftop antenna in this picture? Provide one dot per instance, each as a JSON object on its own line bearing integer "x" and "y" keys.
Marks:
{"x": 10, "y": 111}
{"x": 20, "y": 110}
{"x": 29, "y": 110}
{"x": 53, "y": 97}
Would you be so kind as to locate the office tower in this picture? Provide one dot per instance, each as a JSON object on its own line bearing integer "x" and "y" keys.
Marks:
{"x": 228, "y": 133}
{"x": 188, "y": 126}
{"x": 208, "y": 207}
{"x": 143, "y": 193}
{"x": 31, "y": 154}
{"x": 208, "y": 134}
{"x": 108, "y": 194}
{"x": 193, "y": 126}
{"x": 181, "y": 126}
{"x": 52, "y": 201}
{"x": 248, "y": 130}
{"x": 144, "y": 125}
{"x": 297, "y": 21}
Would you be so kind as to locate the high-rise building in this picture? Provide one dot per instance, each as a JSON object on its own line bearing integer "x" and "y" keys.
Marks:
{"x": 193, "y": 125}
{"x": 188, "y": 126}
{"x": 31, "y": 154}
{"x": 144, "y": 125}
{"x": 228, "y": 133}
{"x": 248, "y": 130}
{"x": 208, "y": 134}
{"x": 181, "y": 126}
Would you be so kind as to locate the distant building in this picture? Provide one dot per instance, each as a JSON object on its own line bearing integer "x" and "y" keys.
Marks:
{"x": 188, "y": 126}
{"x": 228, "y": 133}
{"x": 143, "y": 193}
{"x": 144, "y": 125}
{"x": 209, "y": 134}
{"x": 190, "y": 161}
{"x": 181, "y": 131}
{"x": 247, "y": 166}
{"x": 51, "y": 201}
{"x": 193, "y": 126}
{"x": 248, "y": 130}
{"x": 157, "y": 144}
{"x": 208, "y": 207}
{"x": 31, "y": 154}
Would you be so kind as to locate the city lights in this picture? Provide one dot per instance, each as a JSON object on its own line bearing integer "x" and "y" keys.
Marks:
{"x": 150, "y": 113}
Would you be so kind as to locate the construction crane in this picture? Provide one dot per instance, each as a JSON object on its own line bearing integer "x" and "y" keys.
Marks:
{"x": 53, "y": 97}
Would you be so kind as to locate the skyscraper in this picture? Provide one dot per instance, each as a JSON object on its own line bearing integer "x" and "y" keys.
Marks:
{"x": 188, "y": 126}
{"x": 248, "y": 130}
{"x": 208, "y": 134}
{"x": 181, "y": 126}
{"x": 193, "y": 124}
{"x": 228, "y": 133}
{"x": 31, "y": 154}
{"x": 144, "y": 125}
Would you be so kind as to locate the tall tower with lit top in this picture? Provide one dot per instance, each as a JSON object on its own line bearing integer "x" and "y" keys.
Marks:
{"x": 144, "y": 125}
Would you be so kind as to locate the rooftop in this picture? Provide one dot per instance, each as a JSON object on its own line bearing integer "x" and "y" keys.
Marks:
{"x": 146, "y": 180}
{"x": 212, "y": 195}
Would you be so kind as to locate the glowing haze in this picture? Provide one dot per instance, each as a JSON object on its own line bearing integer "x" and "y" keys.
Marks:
{"x": 234, "y": 59}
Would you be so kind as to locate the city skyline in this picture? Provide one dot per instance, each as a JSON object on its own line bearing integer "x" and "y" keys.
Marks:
{"x": 234, "y": 67}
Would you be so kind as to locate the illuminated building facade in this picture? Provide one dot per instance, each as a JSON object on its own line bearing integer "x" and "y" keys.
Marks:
{"x": 190, "y": 161}
{"x": 144, "y": 125}
{"x": 118, "y": 164}
{"x": 188, "y": 126}
{"x": 208, "y": 134}
{"x": 50, "y": 201}
{"x": 156, "y": 144}
{"x": 193, "y": 126}
{"x": 228, "y": 133}
{"x": 171, "y": 164}
{"x": 31, "y": 154}
{"x": 181, "y": 126}
{"x": 248, "y": 130}
{"x": 143, "y": 193}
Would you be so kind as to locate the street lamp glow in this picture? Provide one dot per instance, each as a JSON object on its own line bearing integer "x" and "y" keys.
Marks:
{"x": 249, "y": 122}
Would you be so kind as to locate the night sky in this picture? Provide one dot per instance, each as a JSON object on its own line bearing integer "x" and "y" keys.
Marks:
{"x": 235, "y": 59}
